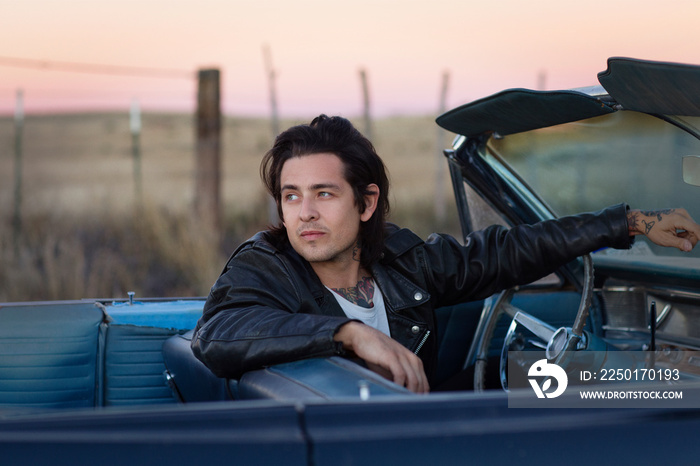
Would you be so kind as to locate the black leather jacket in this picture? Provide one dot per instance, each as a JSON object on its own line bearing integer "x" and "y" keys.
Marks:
{"x": 269, "y": 307}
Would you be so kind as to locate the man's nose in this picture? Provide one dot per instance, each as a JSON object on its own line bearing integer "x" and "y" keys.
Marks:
{"x": 308, "y": 210}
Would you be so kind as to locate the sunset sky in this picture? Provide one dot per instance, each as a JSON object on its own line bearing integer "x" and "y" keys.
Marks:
{"x": 318, "y": 48}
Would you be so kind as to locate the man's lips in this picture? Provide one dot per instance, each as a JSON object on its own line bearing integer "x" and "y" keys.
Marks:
{"x": 311, "y": 235}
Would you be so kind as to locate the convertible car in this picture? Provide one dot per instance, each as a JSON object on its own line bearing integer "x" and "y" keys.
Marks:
{"x": 114, "y": 382}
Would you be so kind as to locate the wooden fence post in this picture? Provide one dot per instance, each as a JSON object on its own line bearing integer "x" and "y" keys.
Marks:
{"x": 366, "y": 104}
{"x": 135, "y": 127}
{"x": 207, "y": 200}
{"x": 272, "y": 215}
{"x": 440, "y": 167}
{"x": 542, "y": 80}
{"x": 271, "y": 83}
{"x": 17, "y": 216}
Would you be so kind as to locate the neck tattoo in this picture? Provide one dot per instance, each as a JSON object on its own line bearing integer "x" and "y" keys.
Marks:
{"x": 356, "y": 252}
{"x": 361, "y": 294}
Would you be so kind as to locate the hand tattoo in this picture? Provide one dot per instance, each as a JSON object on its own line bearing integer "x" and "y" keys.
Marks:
{"x": 657, "y": 213}
{"x": 633, "y": 220}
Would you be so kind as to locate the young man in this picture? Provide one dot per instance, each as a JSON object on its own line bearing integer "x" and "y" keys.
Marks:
{"x": 335, "y": 279}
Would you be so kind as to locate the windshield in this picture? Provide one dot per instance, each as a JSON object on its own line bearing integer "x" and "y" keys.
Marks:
{"x": 622, "y": 157}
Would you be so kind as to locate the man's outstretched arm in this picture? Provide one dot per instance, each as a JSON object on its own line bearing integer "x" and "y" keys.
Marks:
{"x": 668, "y": 227}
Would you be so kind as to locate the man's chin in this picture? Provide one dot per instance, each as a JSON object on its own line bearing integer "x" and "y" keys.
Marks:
{"x": 314, "y": 255}
{"x": 317, "y": 258}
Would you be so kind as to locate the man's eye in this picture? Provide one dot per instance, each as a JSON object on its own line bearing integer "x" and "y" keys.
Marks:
{"x": 324, "y": 194}
{"x": 290, "y": 197}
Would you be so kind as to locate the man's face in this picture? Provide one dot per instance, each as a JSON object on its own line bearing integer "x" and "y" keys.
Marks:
{"x": 318, "y": 205}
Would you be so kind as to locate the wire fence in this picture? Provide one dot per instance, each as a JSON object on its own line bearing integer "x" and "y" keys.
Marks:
{"x": 101, "y": 205}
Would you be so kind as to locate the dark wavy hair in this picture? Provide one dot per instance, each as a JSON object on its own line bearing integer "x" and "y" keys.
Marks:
{"x": 335, "y": 135}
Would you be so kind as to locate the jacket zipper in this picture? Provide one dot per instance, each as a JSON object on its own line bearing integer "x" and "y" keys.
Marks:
{"x": 422, "y": 342}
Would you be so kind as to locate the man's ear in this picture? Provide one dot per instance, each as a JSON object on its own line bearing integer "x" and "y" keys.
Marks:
{"x": 371, "y": 201}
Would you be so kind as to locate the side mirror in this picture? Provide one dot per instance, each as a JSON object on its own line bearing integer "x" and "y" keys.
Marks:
{"x": 691, "y": 170}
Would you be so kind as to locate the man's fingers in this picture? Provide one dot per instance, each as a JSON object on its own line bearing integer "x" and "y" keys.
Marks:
{"x": 679, "y": 237}
{"x": 409, "y": 373}
{"x": 411, "y": 381}
{"x": 415, "y": 378}
{"x": 672, "y": 240}
{"x": 683, "y": 244}
{"x": 398, "y": 375}
{"x": 688, "y": 236}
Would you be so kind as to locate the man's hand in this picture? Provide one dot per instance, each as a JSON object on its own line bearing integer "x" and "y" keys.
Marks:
{"x": 669, "y": 227}
{"x": 384, "y": 355}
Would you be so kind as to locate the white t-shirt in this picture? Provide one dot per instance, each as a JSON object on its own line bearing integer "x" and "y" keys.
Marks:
{"x": 374, "y": 316}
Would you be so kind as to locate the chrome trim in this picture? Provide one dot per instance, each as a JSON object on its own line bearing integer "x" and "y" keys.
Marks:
{"x": 665, "y": 292}
{"x": 594, "y": 91}
{"x": 503, "y": 366}
{"x": 620, "y": 289}
{"x": 626, "y": 329}
{"x": 458, "y": 141}
{"x": 675, "y": 293}
{"x": 661, "y": 316}
{"x": 542, "y": 329}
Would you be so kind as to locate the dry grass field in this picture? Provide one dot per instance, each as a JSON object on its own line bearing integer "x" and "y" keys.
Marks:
{"x": 84, "y": 235}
